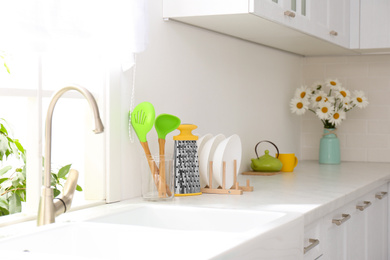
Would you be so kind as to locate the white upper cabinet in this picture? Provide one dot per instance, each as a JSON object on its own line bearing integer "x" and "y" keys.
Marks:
{"x": 374, "y": 25}
{"x": 286, "y": 12}
{"x": 330, "y": 20}
{"x": 305, "y": 27}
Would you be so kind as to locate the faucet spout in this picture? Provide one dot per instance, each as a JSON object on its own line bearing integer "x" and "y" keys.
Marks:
{"x": 47, "y": 208}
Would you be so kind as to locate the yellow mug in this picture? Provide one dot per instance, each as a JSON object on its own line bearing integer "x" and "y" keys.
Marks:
{"x": 289, "y": 161}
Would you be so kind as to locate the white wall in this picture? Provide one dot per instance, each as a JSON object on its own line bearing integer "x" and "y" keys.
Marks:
{"x": 221, "y": 84}
{"x": 365, "y": 135}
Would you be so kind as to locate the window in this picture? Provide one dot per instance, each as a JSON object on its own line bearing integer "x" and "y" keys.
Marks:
{"x": 64, "y": 42}
{"x": 24, "y": 100}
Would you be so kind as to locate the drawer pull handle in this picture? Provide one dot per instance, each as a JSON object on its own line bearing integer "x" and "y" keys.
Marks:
{"x": 313, "y": 243}
{"x": 338, "y": 222}
{"x": 333, "y": 33}
{"x": 289, "y": 14}
{"x": 363, "y": 207}
{"x": 380, "y": 195}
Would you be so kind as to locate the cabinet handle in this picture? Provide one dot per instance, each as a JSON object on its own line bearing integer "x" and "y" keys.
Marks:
{"x": 380, "y": 195}
{"x": 289, "y": 14}
{"x": 313, "y": 243}
{"x": 333, "y": 33}
{"x": 363, "y": 207}
{"x": 338, "y": 222}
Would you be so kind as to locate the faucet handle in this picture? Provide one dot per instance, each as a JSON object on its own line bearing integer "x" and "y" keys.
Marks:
{"x": 64, "y": 203}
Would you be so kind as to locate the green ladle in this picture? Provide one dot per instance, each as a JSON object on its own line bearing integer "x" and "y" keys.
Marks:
{"x": 164, "y": 124}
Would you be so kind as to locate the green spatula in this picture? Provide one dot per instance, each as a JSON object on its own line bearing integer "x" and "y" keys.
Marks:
{"x": 142, "y": 120}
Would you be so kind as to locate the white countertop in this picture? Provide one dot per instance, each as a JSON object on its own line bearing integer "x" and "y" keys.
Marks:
{"x": 313, "y": 190}
{"x": 310, "y": 192}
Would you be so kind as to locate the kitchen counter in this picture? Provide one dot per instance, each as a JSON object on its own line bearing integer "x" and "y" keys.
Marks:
{"x": 313, "y": 189}
{"x": 308, "y": 193}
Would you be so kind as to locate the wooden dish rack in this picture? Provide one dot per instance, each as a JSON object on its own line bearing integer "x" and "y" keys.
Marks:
{"x": 236, "y": 189}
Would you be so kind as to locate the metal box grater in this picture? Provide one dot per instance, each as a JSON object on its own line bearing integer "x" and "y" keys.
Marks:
{"x": 187, "y": 181}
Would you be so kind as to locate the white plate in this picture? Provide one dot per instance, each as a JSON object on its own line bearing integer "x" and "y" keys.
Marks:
{"x": 206, "y": 155}
{"x": 227, "y": 151}
{"x": 202, "y": 140}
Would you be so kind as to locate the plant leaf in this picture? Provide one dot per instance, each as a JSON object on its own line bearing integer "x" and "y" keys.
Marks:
{"x": 22, "y": 194}
{"x": 54, "y": 180}
{"x": 5, "y": 169}
{"x": 15, "y": 150}
{"x": 3, "y": 203}
{"x": 56, "y": 193}
{"x": 64, "y": 171}
{"x": 2, "y": 180}
{"x": 6, "y": 184}
{"x": 15, "y": 204}
{"x": 78, "y": 188}
{"x": 3, "y": 211}
{"x": 19, "y": 146}
{"x": 15, "y": 182}
{"x": 7, "y": 68}
{"x": 3, "y": 129}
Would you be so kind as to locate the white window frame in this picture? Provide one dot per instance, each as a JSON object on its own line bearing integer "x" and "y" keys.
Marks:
{"x": 112, "y": 112}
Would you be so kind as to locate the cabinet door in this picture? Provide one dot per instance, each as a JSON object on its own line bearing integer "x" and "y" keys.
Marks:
{"x": 291, "y": 13}
{"x": 377, "y": 225}
{"x": 313, "y": 241}
{"x": 335, "y": 235}
{"x": 374, "y": 24}
{"x": 356, "y": 230}
{"x": 359, "y": 230}
{"x": 330, "y": 20}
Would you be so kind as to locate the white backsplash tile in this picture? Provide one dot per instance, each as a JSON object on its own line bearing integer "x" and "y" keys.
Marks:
{"x": 378, "y": 155}
{"x": 365, "y": 135}
{"x": 378, "y": 141}
{"x": 379, "y": 127}
{"x": 356, "y": 140}
{"x": 347, "y": 70}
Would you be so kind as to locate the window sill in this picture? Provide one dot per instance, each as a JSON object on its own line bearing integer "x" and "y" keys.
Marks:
{"x": 19, "y": 218}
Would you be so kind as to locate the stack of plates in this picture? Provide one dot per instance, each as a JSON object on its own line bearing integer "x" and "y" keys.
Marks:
{"x": 218, "y": 149}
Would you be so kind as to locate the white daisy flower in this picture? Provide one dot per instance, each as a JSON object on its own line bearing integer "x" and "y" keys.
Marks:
{"x": 325, "y": 110}
{"x": 303, "y": 92}
{"x": 317, "y": 98}
{"x": 342, "y": 94}
{"x": 333, "y": 83}
{"x": 299, "y": 106}
{"x": 359, "y": 99}
{"x": 337, "y": 117}
{"x": 347, "y": 104}
{"x": 329, "y": 99}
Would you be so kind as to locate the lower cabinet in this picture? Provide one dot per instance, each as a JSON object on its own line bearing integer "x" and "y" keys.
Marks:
{"x": 355, "y": 231}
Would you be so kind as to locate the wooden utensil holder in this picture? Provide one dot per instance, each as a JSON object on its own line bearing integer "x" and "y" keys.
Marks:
{"x": 234, "y": 190}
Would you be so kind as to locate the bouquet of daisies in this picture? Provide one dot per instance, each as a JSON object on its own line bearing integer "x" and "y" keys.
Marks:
{"x": 329, "y": 101}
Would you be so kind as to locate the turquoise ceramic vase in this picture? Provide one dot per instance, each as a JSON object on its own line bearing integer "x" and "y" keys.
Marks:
{"x": 329, "y": 147}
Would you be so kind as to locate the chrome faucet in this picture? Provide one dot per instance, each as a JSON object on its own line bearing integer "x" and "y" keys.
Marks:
{"x": 48, "y": 209}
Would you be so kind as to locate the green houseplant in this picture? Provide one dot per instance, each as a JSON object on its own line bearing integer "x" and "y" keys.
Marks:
{"x": 13, "y": 173}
